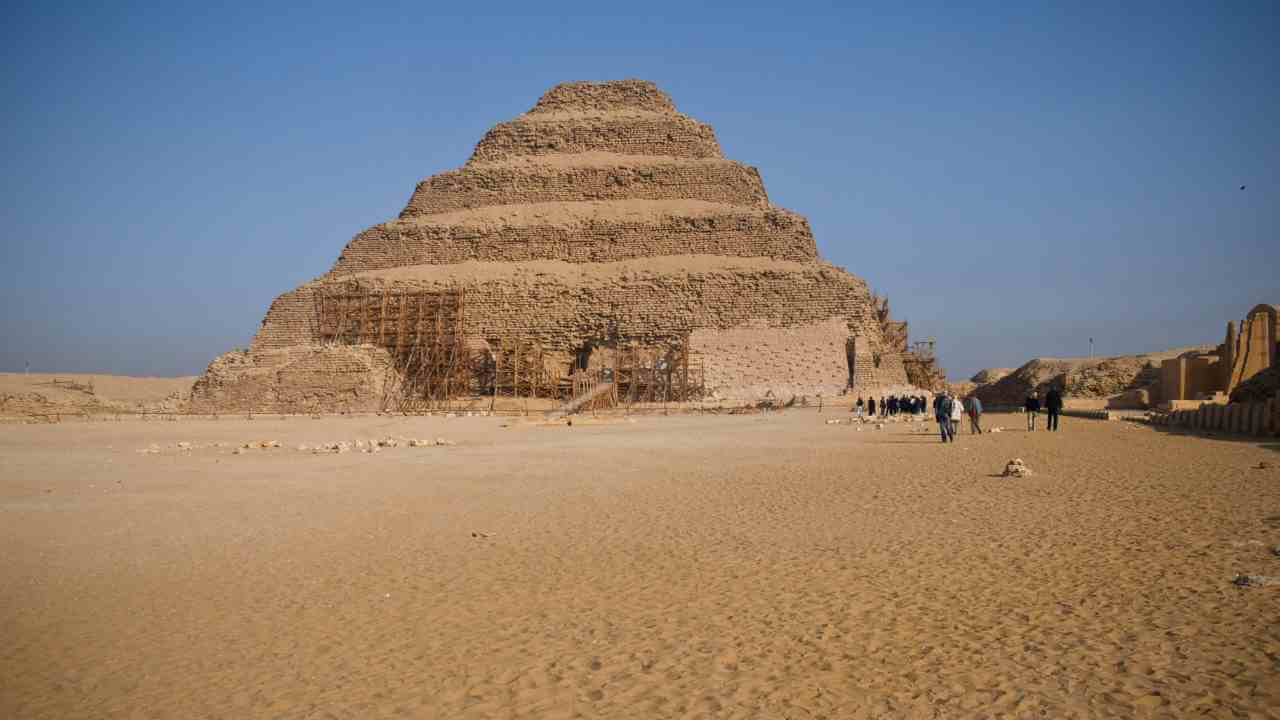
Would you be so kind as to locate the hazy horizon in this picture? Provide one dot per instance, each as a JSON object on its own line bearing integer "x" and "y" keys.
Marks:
{"x": 1017, "y": 180}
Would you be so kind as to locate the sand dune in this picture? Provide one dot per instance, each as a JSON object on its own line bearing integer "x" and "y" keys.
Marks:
{"x": 683, "y": 567}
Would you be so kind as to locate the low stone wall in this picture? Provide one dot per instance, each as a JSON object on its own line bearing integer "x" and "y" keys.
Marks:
{"x": 1255, "y": 418}
{"x": 1091, "y": 414}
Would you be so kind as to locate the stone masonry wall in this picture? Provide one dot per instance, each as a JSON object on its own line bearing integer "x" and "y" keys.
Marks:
{"x": 750, "y": 360}
{"x": 657, "y": 179}
{"x": 647, "y": 307}
{"x": 298, "y": 379}
{"x": 604, "y": 97}
{"x": 769, "y": 233}
{"x": 674, "y": 136}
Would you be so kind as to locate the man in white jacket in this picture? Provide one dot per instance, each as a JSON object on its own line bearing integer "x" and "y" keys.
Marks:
{"x": 957, "y": 415}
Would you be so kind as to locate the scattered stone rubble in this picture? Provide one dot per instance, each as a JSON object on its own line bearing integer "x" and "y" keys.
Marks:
{"x": 343, "y": 446}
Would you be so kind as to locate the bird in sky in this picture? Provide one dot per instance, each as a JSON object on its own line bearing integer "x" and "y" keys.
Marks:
{"x": 1241, "y": 187}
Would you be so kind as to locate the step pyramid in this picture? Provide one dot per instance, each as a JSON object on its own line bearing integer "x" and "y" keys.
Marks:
{"x": 601, "y": 215}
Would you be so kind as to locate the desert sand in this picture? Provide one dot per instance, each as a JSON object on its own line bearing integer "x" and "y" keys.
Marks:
{"x": 672, "y": 567}
{"x": 25, "y": 394}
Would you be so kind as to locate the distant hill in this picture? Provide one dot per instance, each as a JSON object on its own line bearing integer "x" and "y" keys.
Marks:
{"x": 1079, "y": 378}
{"x": 76, "y": 393}
{"x": 990, "y": 375}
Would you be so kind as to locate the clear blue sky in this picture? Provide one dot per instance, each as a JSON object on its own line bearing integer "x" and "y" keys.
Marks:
{"x": 1017, "y": 177}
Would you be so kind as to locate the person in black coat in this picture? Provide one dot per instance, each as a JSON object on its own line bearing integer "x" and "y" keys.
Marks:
{"x": 1053, "y": 408}
{"x": 1032, "y": 408}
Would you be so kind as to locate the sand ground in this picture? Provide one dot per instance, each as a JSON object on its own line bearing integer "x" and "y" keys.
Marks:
{"x": 731, "y": 566}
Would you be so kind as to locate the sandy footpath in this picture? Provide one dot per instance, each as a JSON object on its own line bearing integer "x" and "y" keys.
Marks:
{"x": 681, "y": 567}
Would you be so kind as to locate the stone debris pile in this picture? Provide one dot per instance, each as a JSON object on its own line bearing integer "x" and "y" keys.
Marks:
{"x": 1016, "y": 468}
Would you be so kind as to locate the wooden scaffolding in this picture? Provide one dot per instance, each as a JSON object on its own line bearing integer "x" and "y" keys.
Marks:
{"x": 519, "y": 369}
{"x": 422, "y": 330}
{"x": 659, "y": 373}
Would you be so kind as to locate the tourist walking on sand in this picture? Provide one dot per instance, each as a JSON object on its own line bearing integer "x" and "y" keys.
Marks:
{"x": 942, "y": 411}
{"x": 859, "y": 407}
{"x": 957, "y": 415}
{"x": 975, "y": 415}
{"x": 1032, "y": 408}
{"x": 871, "y": 407}
{"x": 1053, "y": 408}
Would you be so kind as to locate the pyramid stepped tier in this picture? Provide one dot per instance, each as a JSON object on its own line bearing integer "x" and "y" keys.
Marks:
{"x": 581, "y": 232}
{"x": 631, "y": 133}
{"x": 602, "y": 217}
{"x": 621, "y": 95}
{"x": 564, "y": 305}
{"x": 588, "y": 176}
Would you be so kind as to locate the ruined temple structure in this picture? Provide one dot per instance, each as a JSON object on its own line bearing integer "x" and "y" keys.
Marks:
{"x": 1248, "y": 351}
{"x": 598, "y": 226}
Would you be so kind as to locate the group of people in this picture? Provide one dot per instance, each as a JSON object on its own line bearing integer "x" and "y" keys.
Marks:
{"x": 949, "y": 410}
{"x": 892, "y": 405}
{"x": 1052, "y": 409}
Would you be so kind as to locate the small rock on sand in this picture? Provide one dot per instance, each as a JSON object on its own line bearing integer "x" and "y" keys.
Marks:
{"x": 1254, "y": 580}
{"x": 1016, "y": 468}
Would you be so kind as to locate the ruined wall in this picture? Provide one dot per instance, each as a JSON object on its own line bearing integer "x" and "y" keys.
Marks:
{"x": 561, "y": 306}
{"x": 1254, "y": 348}
{"x": 298, "y": 379}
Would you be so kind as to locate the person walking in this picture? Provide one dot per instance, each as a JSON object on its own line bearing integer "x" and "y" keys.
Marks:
{"x": 957, "y": 415}
{"x": 944, "y": 405}
{"x": 1032, "y": 408}
{"x": 871, "y": 407}
{"x": 1053, "y": 408}
{"x": 859, "y": 408}
{"x": 975, "y": 415}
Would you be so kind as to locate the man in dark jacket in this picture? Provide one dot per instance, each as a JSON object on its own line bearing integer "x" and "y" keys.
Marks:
{"x": 1032, "y": 408}
{"x": 1053, "y": 406}
{"x": 942, "y": 412}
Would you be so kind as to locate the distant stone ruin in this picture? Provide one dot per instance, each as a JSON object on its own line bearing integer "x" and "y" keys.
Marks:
{"x": 1245, "y": 353}
{"x": 600, "y": 225}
